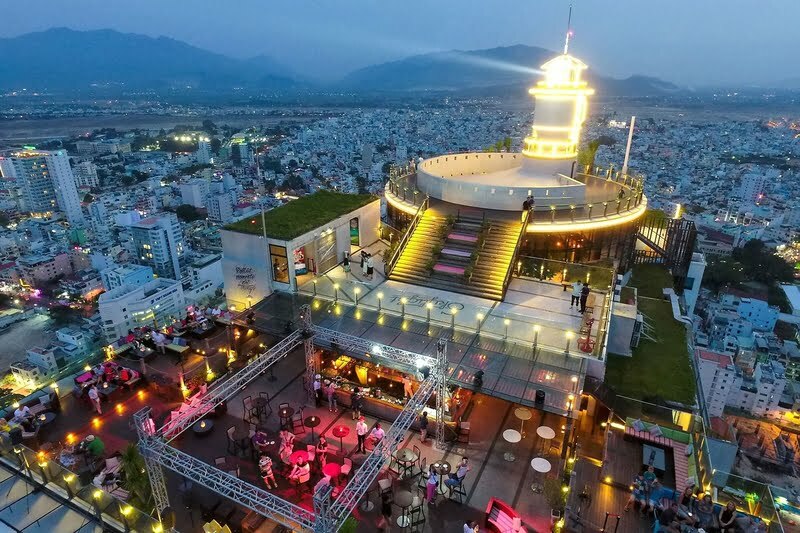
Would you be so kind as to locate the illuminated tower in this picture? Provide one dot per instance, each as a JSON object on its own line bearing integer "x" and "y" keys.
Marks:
{"x": 561, "y": 103}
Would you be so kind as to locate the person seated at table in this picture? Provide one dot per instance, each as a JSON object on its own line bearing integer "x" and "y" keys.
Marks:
{"x": 124, "y": 375}
{"x": 655, "y": 495}
{"x": 705, "y": 513}
{"x": 377, "y": 434}
{"x": 322, "y": 451}
{"x": 300, "y": 469}
{"x": 287, "y": 437}
{"x": 324, "y": 481}
{"x": 265, "y": 468}
{"x": 23, "y": 413}
{"x": 454, "y": 480}
{"x": 686, "y": 506}
{"x": 130, "y": 337}
{"x": 727, "y": 518}
{"x": 649, "y": 477}
{"x": 637, "y": 494}
{"x": 93, "y": 446}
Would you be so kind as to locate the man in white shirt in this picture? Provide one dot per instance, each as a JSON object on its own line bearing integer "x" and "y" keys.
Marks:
{"x": 317, "y": 390}
{"x": 461, "y": 472}
{"x": 576, "y": 293}
{"x": 361, "y": 433}
{"x": 23, "y": 413}
{"x": 377, "y": 434}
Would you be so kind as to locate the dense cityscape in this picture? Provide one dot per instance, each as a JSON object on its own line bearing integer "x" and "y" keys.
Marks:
{"x": 559, "y": 305}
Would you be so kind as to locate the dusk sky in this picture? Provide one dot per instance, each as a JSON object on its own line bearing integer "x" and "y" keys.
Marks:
{"x": 690, "y": 42}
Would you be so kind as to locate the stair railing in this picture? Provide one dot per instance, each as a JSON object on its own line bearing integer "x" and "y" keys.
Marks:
{"x": 522, "y": 231}
{"x": 406, "y": 236}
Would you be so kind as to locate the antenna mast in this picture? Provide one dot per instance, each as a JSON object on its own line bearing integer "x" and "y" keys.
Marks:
{"x": 569, "y": 30}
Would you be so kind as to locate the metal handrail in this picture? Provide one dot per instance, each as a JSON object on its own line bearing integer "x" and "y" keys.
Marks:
{"x": 522, "y": 231}
{"x": 407, "y": 235}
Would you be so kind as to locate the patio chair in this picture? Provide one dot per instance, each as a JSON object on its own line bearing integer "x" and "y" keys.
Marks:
{"x": 458, "y": 490}
{"x": 234, "y": 446}
{"x": 297, "y": 423}
{"x": 268, "y": 410}
{"x": 282, "y": 405}
{"x": 347, "y": 467}
{"x": 463, "y": 432}
{"x": 248, "y": 411}
{"x": 419, "y": 467}
{"x": 385, "y": 487}
{"x": 301, "y": 483}
{"x": 423, "y": 473}
{"x": 417, "y": 514}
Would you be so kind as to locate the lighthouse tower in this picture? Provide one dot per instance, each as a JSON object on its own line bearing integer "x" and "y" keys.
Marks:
{"x": 561, "y": 104}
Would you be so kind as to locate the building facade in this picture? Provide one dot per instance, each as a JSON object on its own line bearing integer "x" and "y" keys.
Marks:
{"x": 48, "y": 184}
{"x": 153, "y": 304}
{"x": 158, "y": 243}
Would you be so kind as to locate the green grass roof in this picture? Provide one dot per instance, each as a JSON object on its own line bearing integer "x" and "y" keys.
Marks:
{"x": 302, "y": 215}
{"x": 657, "y": 369}
{"x": 650, "y": 280}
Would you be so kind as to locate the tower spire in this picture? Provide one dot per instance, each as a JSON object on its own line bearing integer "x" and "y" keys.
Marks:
{"x": 569, "y": 30}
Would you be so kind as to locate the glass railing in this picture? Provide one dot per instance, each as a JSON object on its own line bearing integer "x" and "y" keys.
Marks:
{"x": 546, "y": 334}
{"x": 46, "y": 472}
{"x": 599, "y": 277}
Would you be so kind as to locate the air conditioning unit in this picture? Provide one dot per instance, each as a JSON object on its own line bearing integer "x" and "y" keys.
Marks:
{"x": 637, "y": 330}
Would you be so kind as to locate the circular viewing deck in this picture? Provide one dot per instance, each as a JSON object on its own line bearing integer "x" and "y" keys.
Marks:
{"x": 606, "y": 198}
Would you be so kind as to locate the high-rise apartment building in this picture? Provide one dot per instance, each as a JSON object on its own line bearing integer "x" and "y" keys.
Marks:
{"x": 48, "y": 184}
{"x": 86, "y": 174}
{"x": 158, "y": 243}
{"x": 152, "y": 304}
{"x": 203, "y": 153}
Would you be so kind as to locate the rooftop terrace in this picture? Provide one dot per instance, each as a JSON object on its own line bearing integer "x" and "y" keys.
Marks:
{"x": 302, "y": 215}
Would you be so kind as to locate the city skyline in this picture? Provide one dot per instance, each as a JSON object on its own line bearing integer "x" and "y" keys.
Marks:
{"x": 689, "y": 44}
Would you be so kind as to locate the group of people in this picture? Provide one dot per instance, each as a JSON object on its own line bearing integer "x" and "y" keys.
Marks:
{"x": 367, "y": 265}
{"x": 362, "y": 430}
{"x": 685, "y": 512}
{"x": 296, "y": 471}
{"x": 327, "y": 389}
{"x": 453, "y": 479}
{"x": 580, "y": 293}
{"x": 107, "y": 372}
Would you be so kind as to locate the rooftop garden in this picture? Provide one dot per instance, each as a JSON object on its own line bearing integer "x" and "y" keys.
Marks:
{"x": 659, "y": 368}
{"x": 302, "y": 215}
{"x": 649, "y": 280}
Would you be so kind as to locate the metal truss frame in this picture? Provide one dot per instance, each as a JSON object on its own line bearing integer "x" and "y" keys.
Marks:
{"x": 312, "y": 363}
{"x": 360, "y": 482}
{"x": 225, "y": 484}
{"x": 141, "y": 420}
{"x": 231, "y": 386}
{"x": 327, "y": 517}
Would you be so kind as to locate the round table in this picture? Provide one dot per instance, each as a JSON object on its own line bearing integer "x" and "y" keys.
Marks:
{"x": 545, "y": 433}
{"x": 311, "y": 422}
{"x": 285, "y": 414}
{"x": 523, "y": 414}
{"x": 403, "y": 499}
{"x": 540, "y": 465}
{"x": 332, "y": 470}
{"x": 202, "y": 427}
{"x": 46, "y": 418}
{"x": 513, "y": 436}
{"x": 406, "y": 459}
{"x": 442, "y": 468}
{"x": 341, "y": 431}
{"x": 297, "y": 456}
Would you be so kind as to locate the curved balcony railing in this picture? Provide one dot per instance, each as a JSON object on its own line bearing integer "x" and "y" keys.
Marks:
{"x": 625, "y": 198}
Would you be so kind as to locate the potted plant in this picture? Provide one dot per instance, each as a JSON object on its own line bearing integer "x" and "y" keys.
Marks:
{"x": 556, "y": 497}
{"x": 136, "y": 481}
{"x": 349, "y": 525}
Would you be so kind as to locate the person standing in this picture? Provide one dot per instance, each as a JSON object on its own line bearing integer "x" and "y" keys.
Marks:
{"x": 333, "y": 406}
{"x": 265, "y": 468}
{"x": 431, "y": 486}
{"x": 364, "y": 263}
{"x": 94, "y": 397}
{"x": 385, "y": 523}
{"x": 361, "y": 433}
{"x": 317, "y": 390}
{"x": 408, "y": 389}
{"x": 355, "y": 403}
{"x": 584, "y": 296}
{"x": 576, "y": 294}
{"x": 370, "y": 267}
{"x": 423, "y": 427}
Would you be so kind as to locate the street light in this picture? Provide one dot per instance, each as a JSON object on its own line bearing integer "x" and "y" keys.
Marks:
{"x": 506, "y": 322}
{"x": 335, "y": 292}
{"x": 428, "y": 307}
{"x": 380, "y": 297}
{"x": 479, "y": 318}
{"x": 357, "y": 291}
{"x": 403, "y": 302}
{"x": 569, "y": 336}
{"x": 453, "y": 311}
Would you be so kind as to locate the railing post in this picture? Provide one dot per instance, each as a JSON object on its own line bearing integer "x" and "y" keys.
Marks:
{"x": 553, "y": 214}
{"x": 619, "y": 205}
{"x": 572, "y": 212}
{"x": 590, "y": 210}
{"x": 605, "y": 209}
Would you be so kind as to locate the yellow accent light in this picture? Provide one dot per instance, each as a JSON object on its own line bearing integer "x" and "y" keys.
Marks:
{"x": 561, "y": 106}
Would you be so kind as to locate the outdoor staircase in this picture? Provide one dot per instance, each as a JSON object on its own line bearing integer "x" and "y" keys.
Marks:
{"x": 475, "y": 255}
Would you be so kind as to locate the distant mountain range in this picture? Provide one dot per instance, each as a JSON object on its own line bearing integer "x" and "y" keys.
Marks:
{"x": 64, "y": 59}
{"x": 61, "y": 58}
